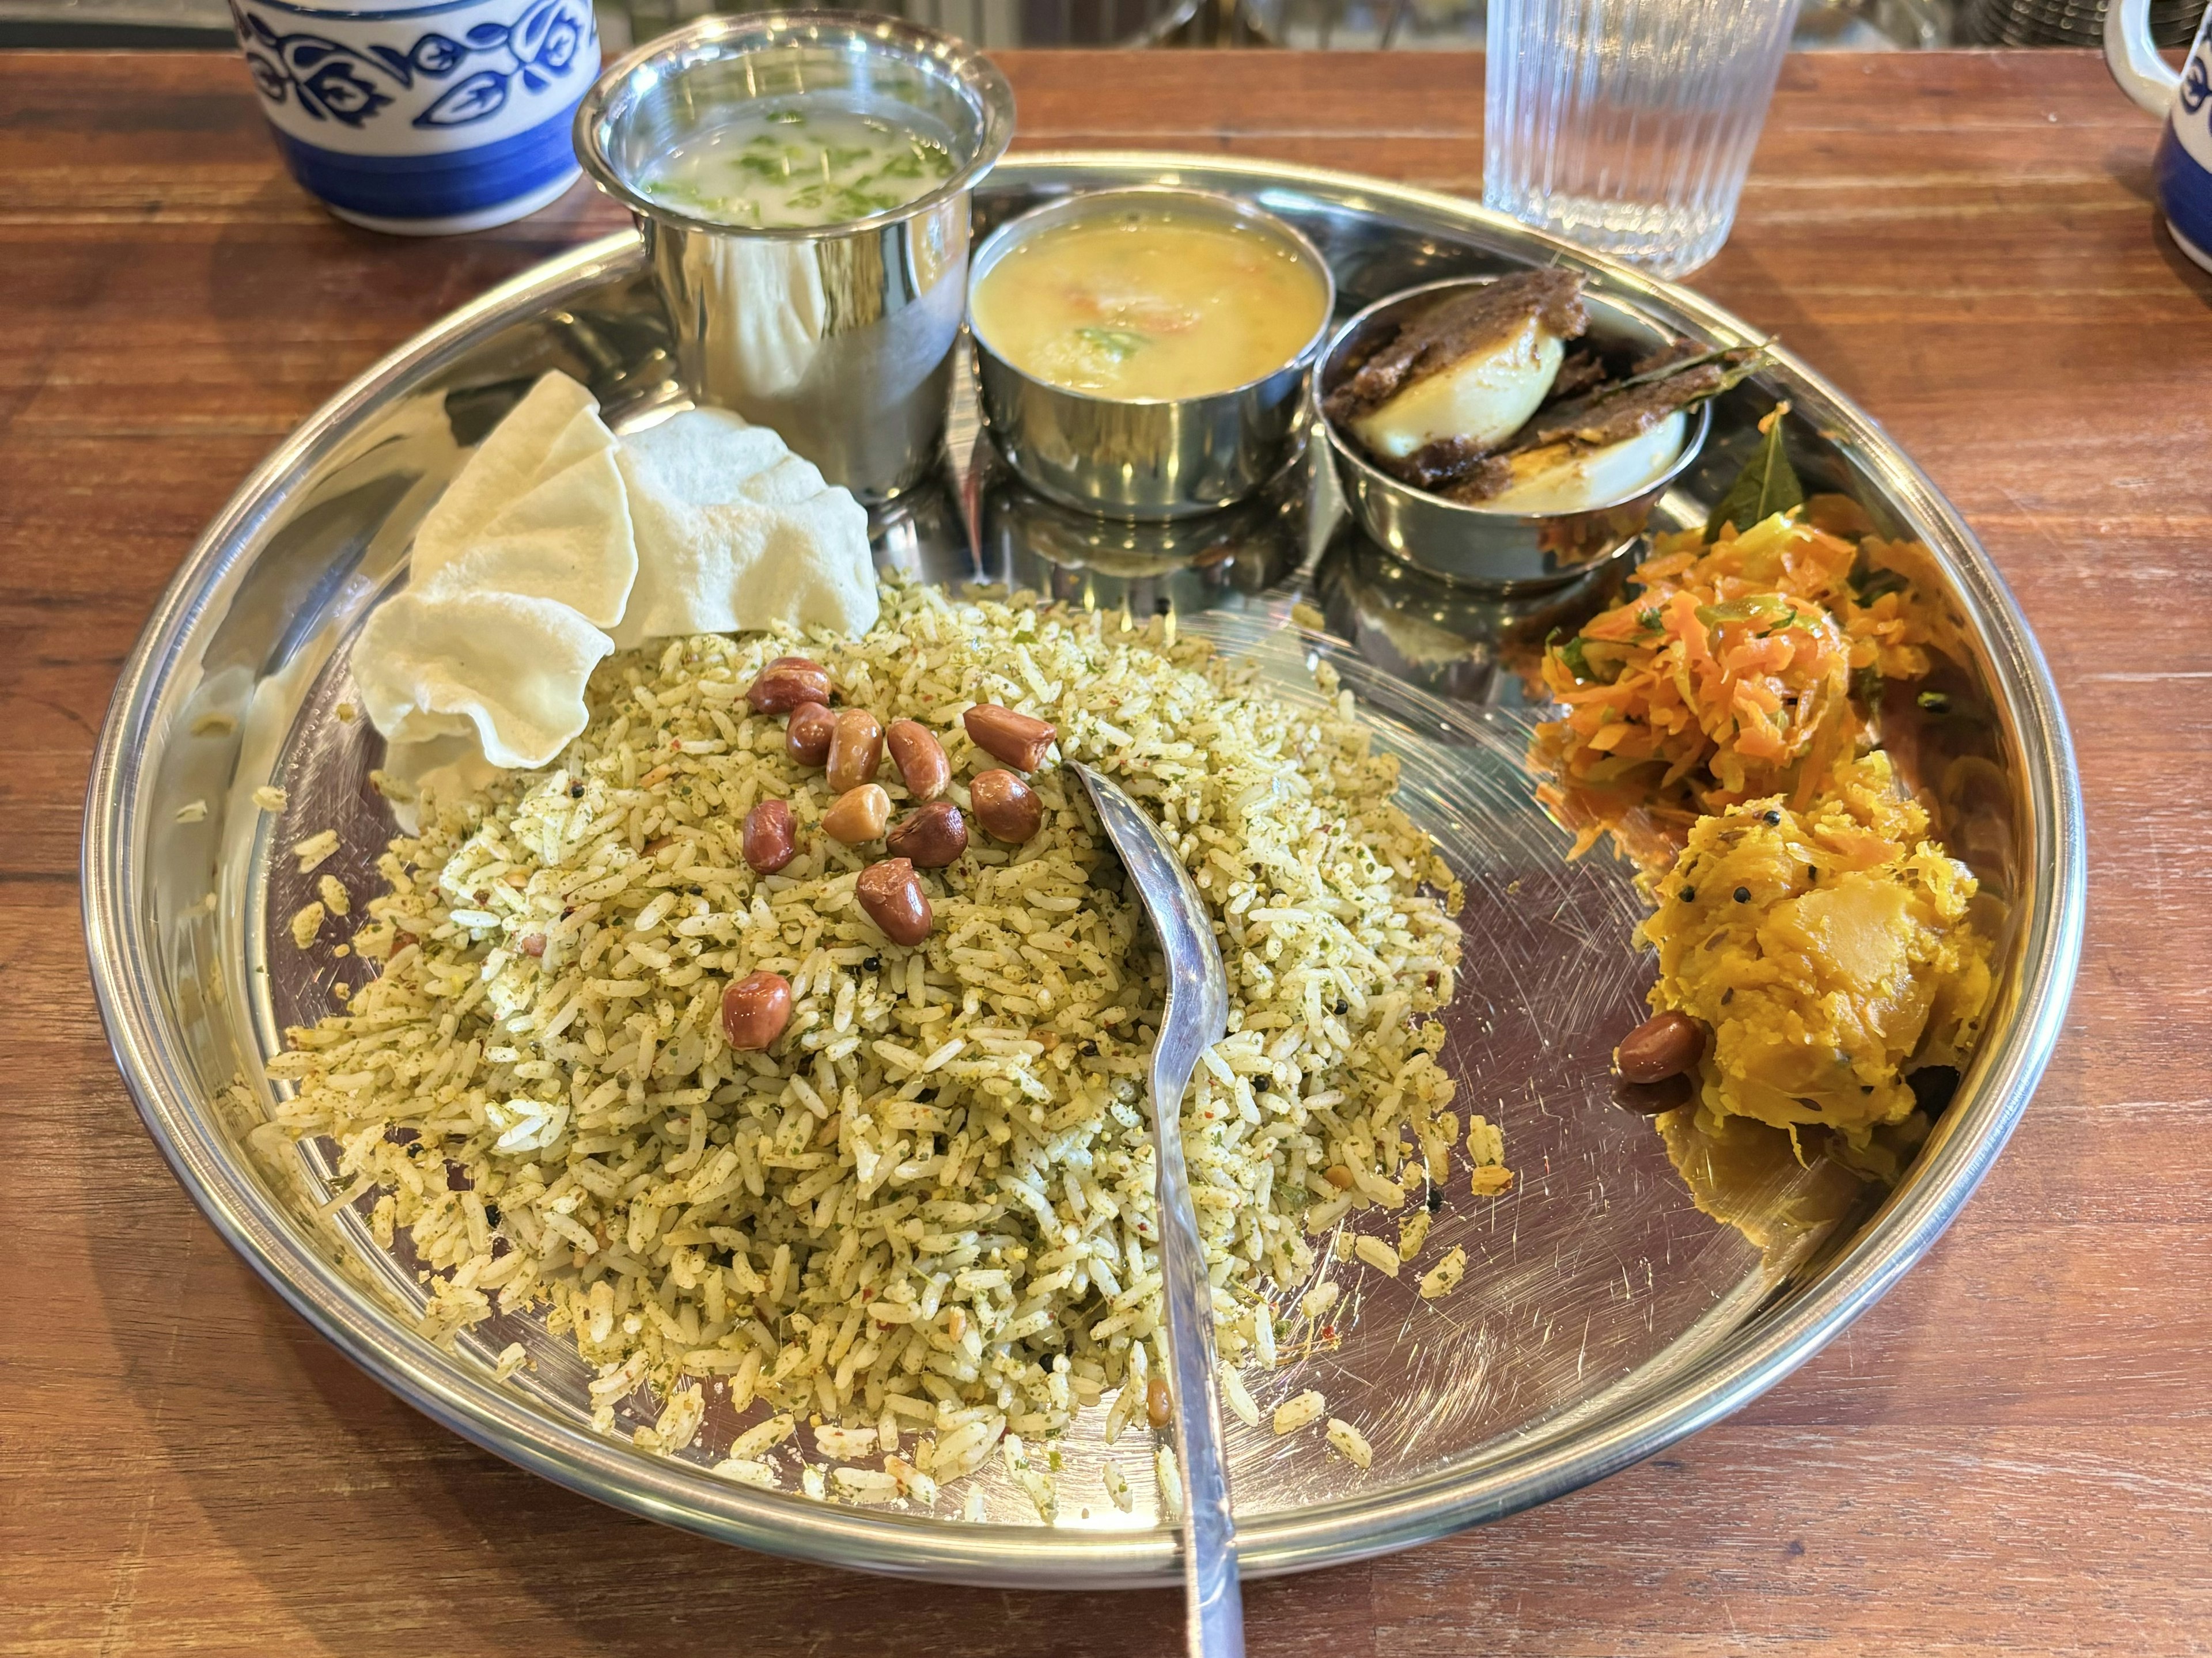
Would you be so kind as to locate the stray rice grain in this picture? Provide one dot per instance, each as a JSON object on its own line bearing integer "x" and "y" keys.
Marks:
{"x": 1376, "y": 1253}
{"x": 1349, "y": 1442}
{"x": 762, "y": 1476}
{"x": 1239, "y": 1397}
{"x": 1443, "y": 1278}
{"x": 1300, "y": 1411}
{"x": 315, "y": 850}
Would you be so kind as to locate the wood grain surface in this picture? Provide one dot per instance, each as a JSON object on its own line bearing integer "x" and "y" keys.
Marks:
{"x": 2011, "y": 1454}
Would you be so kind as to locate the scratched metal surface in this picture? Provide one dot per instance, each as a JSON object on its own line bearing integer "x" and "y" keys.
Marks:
{"x": 1595, "y": 1286}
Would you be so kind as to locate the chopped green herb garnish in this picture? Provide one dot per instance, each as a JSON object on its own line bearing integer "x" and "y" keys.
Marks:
{"x": 791, "y": 167}
{"x": 1115, "y": 345}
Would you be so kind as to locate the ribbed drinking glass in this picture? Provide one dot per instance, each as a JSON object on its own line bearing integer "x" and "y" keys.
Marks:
{"x": 1627, "y": 125}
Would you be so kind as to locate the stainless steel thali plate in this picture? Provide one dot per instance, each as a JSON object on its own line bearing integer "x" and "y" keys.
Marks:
{"x": 1604, "y": 1316}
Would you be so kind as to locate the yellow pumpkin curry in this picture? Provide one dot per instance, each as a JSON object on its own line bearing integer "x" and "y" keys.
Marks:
{"x": 1828, "y": 950}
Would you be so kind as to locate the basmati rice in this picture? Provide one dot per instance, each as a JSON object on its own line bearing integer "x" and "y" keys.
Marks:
{"x": 931, "y": 1203}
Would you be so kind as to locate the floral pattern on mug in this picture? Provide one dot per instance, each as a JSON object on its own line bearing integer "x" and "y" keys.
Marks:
{"x": 2195, "y": 86}
{"x": 330, "y": 81}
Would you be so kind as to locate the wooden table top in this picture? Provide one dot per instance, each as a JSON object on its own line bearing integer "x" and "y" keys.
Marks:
{"x": 2010, "y": 1454}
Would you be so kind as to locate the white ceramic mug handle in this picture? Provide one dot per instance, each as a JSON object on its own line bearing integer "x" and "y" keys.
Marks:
{"x": 2134, "y": 63}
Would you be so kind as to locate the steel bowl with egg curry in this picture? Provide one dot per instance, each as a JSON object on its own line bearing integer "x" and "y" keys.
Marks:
{"x": 1496, "y": 394}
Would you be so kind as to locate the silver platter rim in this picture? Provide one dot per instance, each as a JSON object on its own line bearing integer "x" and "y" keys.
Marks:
{"x": 180, "y": 1120}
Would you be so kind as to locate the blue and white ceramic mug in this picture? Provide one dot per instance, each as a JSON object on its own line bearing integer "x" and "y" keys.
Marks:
{"x": 423, "y": 119}
{"x": 2183, "y": 102}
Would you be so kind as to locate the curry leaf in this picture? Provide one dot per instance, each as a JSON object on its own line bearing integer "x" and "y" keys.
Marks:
{"x": 1767, "y": 484}
{"x": 1876, "y": 583}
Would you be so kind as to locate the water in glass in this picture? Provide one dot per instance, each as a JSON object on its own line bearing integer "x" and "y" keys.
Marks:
{"x": 1626, "y": 125}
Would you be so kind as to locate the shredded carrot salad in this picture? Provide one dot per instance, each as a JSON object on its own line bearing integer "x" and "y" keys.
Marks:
{"x": 1727, "y": 678}
{"x": 1721, "y": 725}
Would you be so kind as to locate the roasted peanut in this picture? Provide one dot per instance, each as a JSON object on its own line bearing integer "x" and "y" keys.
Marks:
{"x": 919, "y": 758}
{"x": 788, "y": 682}
{"x": 1004, "y": 806}
{"x": 930, "y": 836}
{"x": 856, "y": 749}
{"x": 1159, "y": 1404}
{"x": 891, "y": 894}
{"x": 1015, "y": 738}
{"x": 806, "y": 738}
{"x": 755, "y": 1010}
{"x": 858, "y": 815}
{"x": 769, "y": 839}
{"x": 1665, "y": 1045}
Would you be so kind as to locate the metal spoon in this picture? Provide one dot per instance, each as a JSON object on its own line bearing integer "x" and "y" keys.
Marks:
{"x": 1196, "y": 1016}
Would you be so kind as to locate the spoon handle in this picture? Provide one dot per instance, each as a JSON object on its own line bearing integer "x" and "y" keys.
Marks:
{"x": 1194, "y": 1019}
{"x": 1213, "y": 1602}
